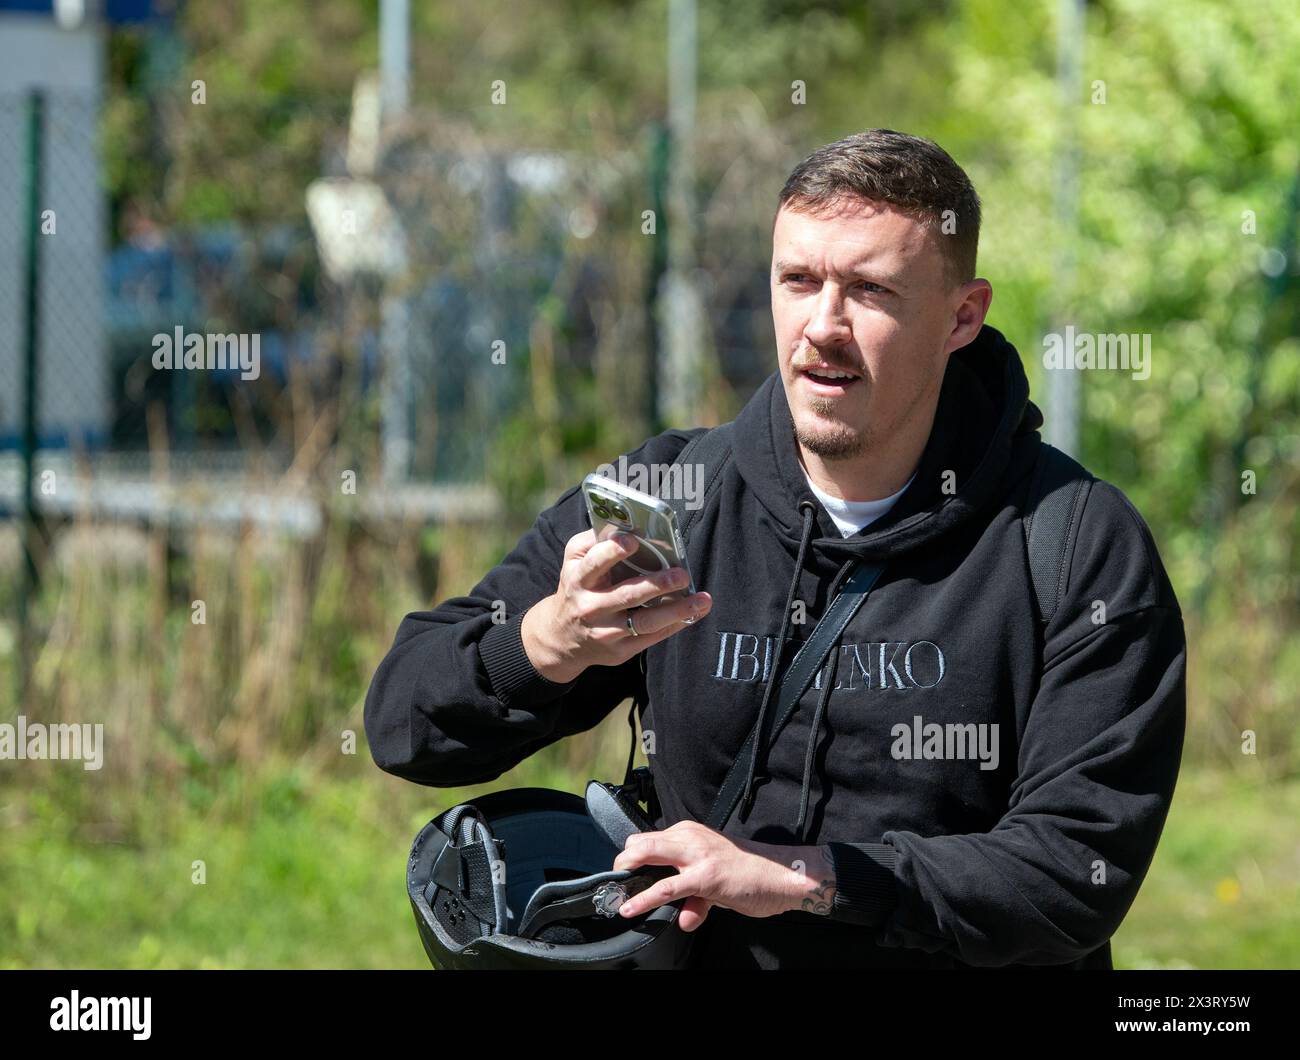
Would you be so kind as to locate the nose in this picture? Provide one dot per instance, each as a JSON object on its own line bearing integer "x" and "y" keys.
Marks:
{"x": 828, "y": 325}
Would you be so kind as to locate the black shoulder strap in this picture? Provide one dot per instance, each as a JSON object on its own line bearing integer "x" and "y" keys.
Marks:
{"x": 712, "y": 450}
{"x": 798, "y": 676}
{"x": 1057, "y": 491}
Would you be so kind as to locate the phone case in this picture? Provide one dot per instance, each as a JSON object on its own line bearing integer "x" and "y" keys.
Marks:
{"x": 650, "y": 520}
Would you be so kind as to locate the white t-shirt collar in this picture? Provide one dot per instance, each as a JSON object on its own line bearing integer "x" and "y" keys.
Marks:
{"x": 851, "y": 516}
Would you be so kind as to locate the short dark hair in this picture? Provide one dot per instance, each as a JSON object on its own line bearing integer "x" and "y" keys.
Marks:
{"x": 915, "y": 175}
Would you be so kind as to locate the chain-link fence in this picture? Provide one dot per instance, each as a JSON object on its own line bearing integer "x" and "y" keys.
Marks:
{"x": 414, "y": 289}
{"x": 74, "y": 406}
{"x": 230, "y": 306}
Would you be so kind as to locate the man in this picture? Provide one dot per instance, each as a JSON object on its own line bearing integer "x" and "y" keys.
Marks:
{"x": 898, "y": 431}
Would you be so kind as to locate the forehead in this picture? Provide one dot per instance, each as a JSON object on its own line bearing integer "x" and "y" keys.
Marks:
{"x": 856, "y": 233}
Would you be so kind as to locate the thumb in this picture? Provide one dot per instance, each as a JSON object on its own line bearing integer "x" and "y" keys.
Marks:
{"x": 694, "y": 911}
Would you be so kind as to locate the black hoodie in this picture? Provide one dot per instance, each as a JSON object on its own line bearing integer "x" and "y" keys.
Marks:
{"x": 1029, "y": 857}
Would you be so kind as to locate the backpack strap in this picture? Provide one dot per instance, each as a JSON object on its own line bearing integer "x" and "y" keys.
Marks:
{"x": 1058, "y": 488}
{"x": 712, "y": 449}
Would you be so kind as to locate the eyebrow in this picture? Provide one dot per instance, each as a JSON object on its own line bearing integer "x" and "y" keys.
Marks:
{"x": 798, "y": 266}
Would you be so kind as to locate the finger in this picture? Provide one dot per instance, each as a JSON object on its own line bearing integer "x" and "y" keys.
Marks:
{"x": 578, "y": 544}
{"x": 611, "y": 629}
{"x": 672, "y": 615}
{"x": 693, "y": 912}
{"x": 666, "y": 890}
{"x": 646, "y": 587}
{"x": 601, "y": 557}
{"x": 650, "y": 848}
{"x": 628, "y": 646}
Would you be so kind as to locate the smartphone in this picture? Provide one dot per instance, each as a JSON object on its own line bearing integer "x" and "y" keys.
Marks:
{"x": 613, "y": 508}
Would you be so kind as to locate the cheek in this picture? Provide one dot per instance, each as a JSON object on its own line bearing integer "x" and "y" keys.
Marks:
{"x": 900, "y": 372}
{"x": 882, "y": 331}
{"x": 786, "y": 321}
{"x": 886, "y": 347}
{"x": 788, "y": 339}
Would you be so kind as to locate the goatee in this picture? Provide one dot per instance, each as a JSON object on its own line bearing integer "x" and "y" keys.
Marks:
{"x": 840, "y": 442}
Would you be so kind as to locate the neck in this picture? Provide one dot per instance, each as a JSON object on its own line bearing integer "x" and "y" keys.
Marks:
{"x": 880, "y": 471}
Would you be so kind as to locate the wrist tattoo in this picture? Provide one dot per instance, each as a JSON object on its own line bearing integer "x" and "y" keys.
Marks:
{"x": 821, "y": 897}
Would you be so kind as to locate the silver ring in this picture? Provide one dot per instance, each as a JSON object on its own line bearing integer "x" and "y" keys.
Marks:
{"x": 631, "y": 628}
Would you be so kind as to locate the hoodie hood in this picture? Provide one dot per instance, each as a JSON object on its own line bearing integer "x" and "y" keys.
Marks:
{"x": 983, "y": 404}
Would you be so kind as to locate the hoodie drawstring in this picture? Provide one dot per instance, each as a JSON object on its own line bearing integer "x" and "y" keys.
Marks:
{"x": 809, "y": 510}
{"x": 816, "y": 726}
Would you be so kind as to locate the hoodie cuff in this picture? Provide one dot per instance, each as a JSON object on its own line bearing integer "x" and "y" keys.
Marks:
{"x": 865, "y": 887}
{"x": 513, "y": 676}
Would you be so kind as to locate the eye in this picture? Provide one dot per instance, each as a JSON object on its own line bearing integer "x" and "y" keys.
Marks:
{"x": 875, "y": 288}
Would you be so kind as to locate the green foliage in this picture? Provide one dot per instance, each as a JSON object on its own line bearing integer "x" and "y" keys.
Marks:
{"x": 517, "y": 466}
{"x": 1198, "y": 126}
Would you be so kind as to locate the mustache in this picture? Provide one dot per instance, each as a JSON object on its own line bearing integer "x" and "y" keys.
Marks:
{"x": 831, "y": 362}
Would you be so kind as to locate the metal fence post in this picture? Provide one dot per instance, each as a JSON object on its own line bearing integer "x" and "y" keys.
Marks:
{"x": 31, "y": 337}
{"x": 660, "y": 150}
{"x": 1063, "y": 384}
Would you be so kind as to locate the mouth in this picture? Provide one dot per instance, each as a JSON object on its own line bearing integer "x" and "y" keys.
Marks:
{"x": 825, "y": 381}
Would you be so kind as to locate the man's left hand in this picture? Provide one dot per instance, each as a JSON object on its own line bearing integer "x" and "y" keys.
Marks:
{"x": 754, "y": 879}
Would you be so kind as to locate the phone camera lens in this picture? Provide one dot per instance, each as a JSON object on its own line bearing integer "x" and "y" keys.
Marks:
{"x": 620, "y": 513}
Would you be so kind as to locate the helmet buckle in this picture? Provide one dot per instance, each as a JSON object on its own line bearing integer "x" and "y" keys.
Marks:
{"x": 608, "y": 898}
{"x": 640, "y": 785}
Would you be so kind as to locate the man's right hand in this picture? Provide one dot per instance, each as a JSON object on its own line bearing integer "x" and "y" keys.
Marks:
{"x": 584, "y": 622}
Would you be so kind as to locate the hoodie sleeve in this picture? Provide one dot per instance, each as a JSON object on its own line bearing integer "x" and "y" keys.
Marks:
{"x": 456, "y": 701}
{"x": 1097, "y": 762}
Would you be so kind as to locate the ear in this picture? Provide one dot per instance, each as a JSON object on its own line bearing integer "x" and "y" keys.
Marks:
{"x": 971, "y": 305}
